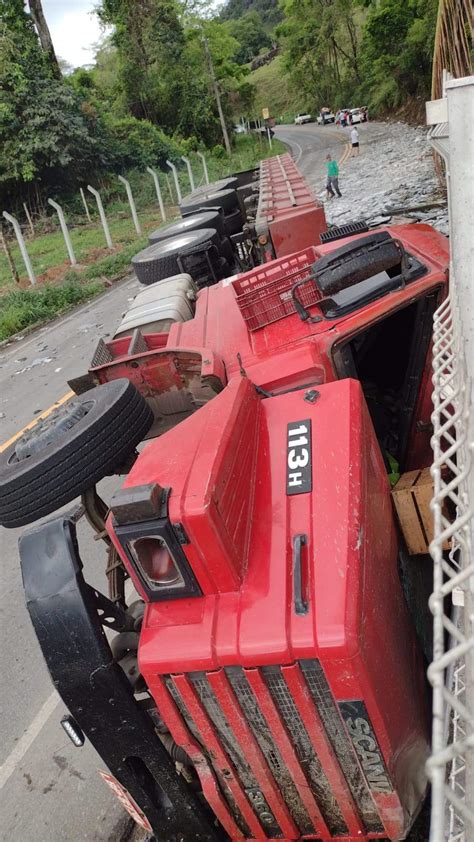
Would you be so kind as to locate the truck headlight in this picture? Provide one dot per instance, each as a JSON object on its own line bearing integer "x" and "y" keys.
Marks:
{"x": 152, "y": 545}
{"x": 153, "y": 556}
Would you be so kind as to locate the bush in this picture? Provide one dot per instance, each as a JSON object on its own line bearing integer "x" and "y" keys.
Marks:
{"x": 139, "y": 144}
{"x": 219, "y": 152}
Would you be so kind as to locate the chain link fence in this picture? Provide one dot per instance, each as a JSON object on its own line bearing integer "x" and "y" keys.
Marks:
{"x": 451, "y": 766}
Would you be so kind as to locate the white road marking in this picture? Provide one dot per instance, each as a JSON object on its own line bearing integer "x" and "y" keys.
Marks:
{"x": 25, "y": 742}
{"x": 301, "y": 151}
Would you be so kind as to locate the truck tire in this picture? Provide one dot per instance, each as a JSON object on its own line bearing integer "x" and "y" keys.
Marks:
{"x": 70, "y": 451}
{"x": 230, "y": 183}
{"x": 207, "y": 219}
{"x": 160, "y": 260}
{"x": 233, "y": 223}
{"x": 225, "y": 199}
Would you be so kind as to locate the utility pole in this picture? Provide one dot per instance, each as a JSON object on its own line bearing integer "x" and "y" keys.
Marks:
{"x": 217, "y": 95}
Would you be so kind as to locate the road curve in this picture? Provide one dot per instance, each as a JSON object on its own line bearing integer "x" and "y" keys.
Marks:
{"x": 309, "y": 144}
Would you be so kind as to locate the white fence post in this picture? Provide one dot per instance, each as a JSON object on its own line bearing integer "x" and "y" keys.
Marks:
{"x": 67, "y": 239}
{"x": 21, "y": 243}
{"x": 85, "y": 204}
{"x": 131, "y": 203}
{"x": 154, "y": 175}
{"x": 100, "y": 207}
{"x": 204, "y": 166}
{"x": 190, "y": 172}
{"x": 176, "y": 181}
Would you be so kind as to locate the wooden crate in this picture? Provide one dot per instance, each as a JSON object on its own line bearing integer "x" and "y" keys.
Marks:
{"x": 412, "y": 496}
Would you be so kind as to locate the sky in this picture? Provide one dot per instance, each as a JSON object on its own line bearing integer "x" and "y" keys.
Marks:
{"x": 74, "y": 29}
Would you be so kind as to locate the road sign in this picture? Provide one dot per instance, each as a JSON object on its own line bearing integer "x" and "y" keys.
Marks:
{"x": 265, "y": 113}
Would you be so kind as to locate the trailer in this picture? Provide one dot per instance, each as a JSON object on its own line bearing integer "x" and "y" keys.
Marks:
{"x": 266, "y": 677}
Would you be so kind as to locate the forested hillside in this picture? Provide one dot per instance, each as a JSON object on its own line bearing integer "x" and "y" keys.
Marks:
{"x": 150, "y": 95}
{"x": 376, "y": 52}
{"x": 270, "y": 11}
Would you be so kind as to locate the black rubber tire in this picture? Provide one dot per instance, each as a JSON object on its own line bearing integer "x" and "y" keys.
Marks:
{"x": 70, "y": 461}
{"x": 194, "y": 222}
{"x": 161, "y": 260}
{"x": 225, "y": 199}
{"x": 233, "y": 223}
{"x": 230, "y": 183}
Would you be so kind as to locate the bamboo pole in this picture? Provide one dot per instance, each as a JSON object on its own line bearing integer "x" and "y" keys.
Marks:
{"x": 30, "y": 221}
{"x": 8, "y": 255}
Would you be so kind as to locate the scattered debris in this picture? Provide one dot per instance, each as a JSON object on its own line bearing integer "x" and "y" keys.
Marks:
{"x": 36, "y": 362}
{"x": 380, "y": 220}
{"x": 393, "y": 174}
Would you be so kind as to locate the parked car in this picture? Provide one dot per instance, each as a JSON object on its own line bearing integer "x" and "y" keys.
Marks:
{"x": 325, "y": 116}
{"x": 356, "y": 115}
{"x": 302, "y": 118}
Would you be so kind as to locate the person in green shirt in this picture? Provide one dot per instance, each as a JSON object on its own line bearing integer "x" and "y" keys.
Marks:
{"x": 332, "y": 183}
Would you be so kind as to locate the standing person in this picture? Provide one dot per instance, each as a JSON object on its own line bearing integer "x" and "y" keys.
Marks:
{"x": 332, "y": 183}
{"x": 354, "y": 141}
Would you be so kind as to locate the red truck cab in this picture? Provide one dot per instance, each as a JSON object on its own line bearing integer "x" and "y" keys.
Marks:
{"x": 276, "y": 640}
{"x": 266, "y": 680}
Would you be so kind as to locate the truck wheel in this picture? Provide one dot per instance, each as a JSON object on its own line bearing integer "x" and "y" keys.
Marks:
{"x": 161, "y": 260}
{"x": 194, "y": 222}
{"x": 225, "y": 199}
{"x": 70, "y": 451}
{"x": 230, "y": 183}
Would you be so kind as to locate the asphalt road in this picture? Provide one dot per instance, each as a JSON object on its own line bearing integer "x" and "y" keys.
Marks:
{"x": 49, "y": 791}
{"x": 309, "y": 145}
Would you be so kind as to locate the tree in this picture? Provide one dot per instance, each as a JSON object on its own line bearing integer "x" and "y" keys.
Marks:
{"x": 252, "y": 37}
{"x": 42, "y": 29}
{"x": 47, "y": 141}
{"x": 270, "y": 11}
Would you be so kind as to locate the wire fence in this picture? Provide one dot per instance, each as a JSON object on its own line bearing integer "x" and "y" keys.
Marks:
{"x": 451, "y": 766}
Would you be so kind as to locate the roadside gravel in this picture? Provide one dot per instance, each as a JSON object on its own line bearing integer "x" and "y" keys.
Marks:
{"x": 394, "y": 169}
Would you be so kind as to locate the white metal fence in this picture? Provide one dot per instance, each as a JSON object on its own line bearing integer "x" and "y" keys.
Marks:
{"x": 451, "y": 766}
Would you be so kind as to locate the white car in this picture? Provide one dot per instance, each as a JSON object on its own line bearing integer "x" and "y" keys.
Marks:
{"x": 356, "y": 115}
{"x": 325, "y": 116}
{"x": 302, "y": 118}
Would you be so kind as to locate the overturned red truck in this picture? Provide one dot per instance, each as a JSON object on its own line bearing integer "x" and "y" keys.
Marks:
{"x": 265, "y": 680}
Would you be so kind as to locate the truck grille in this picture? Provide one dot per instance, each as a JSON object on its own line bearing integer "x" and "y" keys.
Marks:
{"x": 281, "y": 731}
{"x": 338, "y": 232}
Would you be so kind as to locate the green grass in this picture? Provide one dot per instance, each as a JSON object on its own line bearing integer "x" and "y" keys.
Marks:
{"x": 59, "y": 286}
{"x": 22, "y": 308}
{"x": 275, "y": 91}
{"x": 248, "y": 151}
{"x": 48, "y": 251}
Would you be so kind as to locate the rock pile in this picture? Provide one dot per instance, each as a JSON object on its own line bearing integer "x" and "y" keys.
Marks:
{"x": 394, "y": 170}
